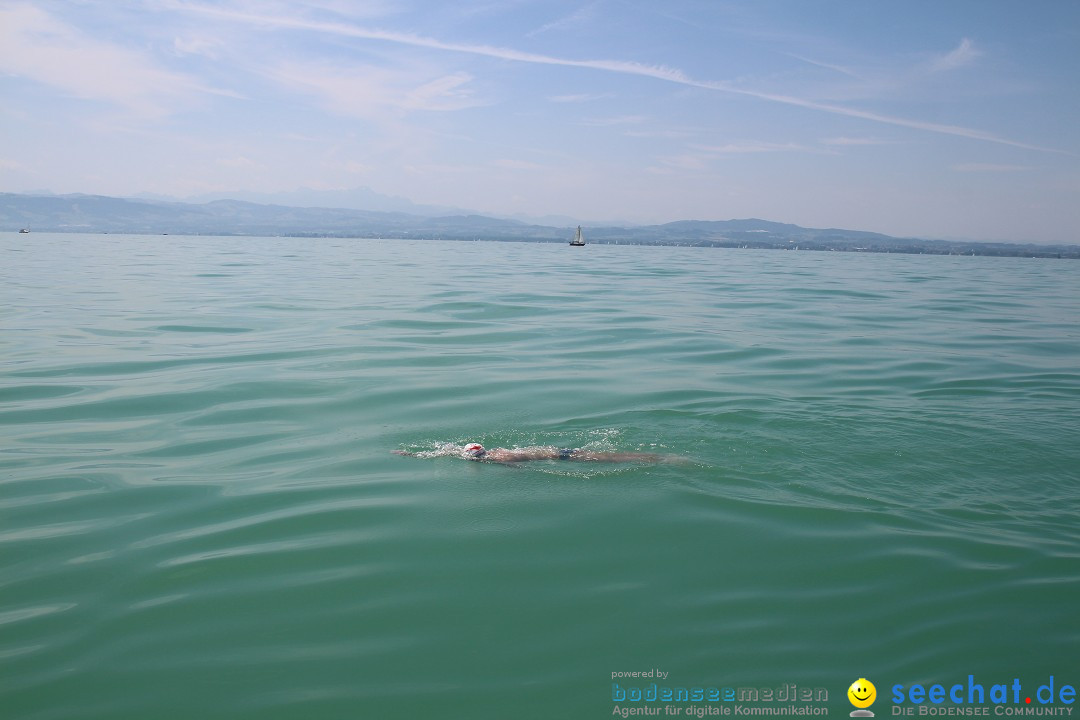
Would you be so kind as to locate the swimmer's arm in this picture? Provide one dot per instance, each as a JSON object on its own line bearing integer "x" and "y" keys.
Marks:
{"x": 500, "y": 455}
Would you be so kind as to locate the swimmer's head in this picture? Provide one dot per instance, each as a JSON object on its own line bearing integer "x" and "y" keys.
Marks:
{"x": 473, "y": 450}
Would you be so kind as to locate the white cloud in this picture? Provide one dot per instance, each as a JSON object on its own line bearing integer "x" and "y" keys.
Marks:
{"x": 964, "y": 54}
{"x": 699, "y": 156}
{"x": 667, "y": 134}
{"x": 828, "y": 66}
{"x": 448, "y": 92}
{"x": 368, "y": 91}
{"x": 614, "y": 121}
{"x": 749, "y": 147}
{"x": 681, "y": 162}
{"x": 855, "y": 142}
{"x": 37, "y": 46}
{"x": 989, "y": 168}
{"x": 579, "y": 17}
{"x": 198, "y": 46}
{"x": 579, "y": 97}
{"x": 510, "y": 164}
{"x": 237, "y": 161}
{"x": 412, "y": 40}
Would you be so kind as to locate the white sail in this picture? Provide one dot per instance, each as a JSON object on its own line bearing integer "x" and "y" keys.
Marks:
{"x": 579, "y": 239}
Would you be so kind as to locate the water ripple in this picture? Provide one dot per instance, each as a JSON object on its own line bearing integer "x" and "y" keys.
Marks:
{"x": 201, "y": 516}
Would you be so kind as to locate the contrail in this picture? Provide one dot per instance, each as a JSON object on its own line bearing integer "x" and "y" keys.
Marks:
{"x": 624, "y": 67}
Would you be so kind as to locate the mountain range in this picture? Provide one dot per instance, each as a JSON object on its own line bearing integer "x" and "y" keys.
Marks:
{"x": 102, "y": 214}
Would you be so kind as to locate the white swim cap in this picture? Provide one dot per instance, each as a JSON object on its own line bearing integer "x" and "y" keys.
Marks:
{"x": 473, "y": 450}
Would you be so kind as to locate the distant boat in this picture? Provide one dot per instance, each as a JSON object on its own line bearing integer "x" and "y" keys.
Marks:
{"x": 579, "y": 239}
{"x": 24, "y": 230}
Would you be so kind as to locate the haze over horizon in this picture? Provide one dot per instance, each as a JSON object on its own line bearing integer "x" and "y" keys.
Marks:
{"x": 913, "y": 120}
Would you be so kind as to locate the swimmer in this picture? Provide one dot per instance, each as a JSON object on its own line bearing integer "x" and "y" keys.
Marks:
{"x": 477, "y": 452}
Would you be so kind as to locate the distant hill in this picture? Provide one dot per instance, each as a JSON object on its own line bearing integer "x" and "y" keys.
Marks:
{"x": 100, "y": 214}
{"x": 360, "y": 198}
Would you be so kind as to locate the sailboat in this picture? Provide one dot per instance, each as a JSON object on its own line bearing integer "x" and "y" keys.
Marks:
{"x": 579, "y": 239}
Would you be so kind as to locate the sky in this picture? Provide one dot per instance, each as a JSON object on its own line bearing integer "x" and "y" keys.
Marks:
{"x": 951, "y": 119}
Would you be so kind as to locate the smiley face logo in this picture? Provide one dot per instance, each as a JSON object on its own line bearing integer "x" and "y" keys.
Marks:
{"x": 862, "y": 693}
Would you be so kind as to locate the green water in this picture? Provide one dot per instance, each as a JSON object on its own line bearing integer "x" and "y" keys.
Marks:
{"x": 200, "y": 514}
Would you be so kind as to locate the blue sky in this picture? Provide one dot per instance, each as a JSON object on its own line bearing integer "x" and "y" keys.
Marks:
{"x": 947, "y": 118}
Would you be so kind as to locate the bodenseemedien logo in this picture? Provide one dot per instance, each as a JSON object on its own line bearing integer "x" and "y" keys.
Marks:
{"x": 862, "y": 694}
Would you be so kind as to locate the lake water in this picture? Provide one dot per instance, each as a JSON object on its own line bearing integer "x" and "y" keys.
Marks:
{"x": 201, "y": 515}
